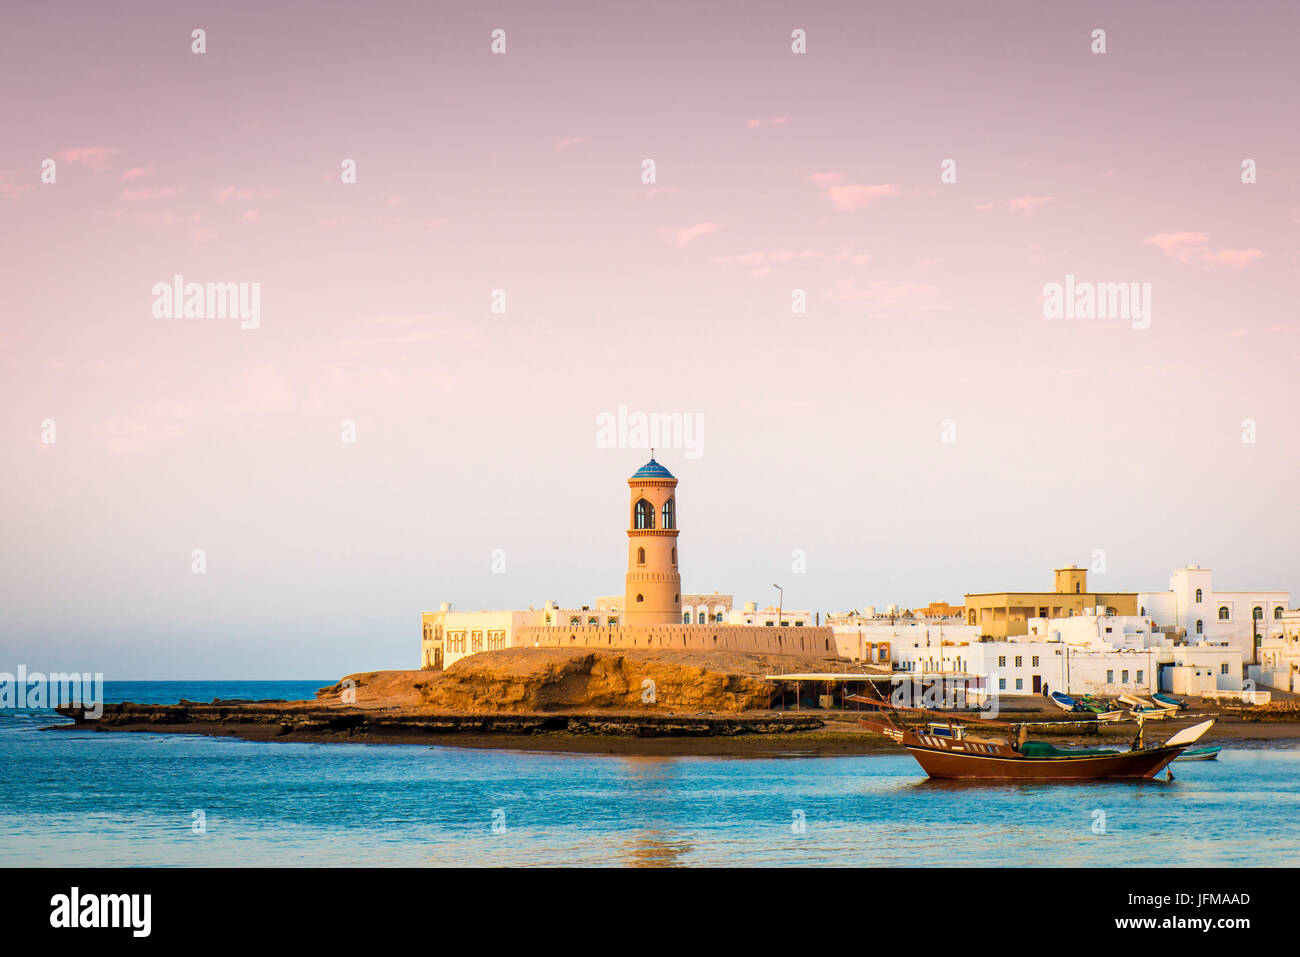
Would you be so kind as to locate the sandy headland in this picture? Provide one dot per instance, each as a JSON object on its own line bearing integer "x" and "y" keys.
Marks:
{"x": 646, "y": 702}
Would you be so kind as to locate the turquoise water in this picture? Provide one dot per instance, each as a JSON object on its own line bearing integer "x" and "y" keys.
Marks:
{"x": 83, "y": 798}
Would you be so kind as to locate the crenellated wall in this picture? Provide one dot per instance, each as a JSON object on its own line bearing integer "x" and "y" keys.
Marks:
{"x": 819, "y": 642}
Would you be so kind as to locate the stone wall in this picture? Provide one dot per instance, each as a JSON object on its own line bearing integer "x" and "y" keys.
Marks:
{"x": 816, "y": 642}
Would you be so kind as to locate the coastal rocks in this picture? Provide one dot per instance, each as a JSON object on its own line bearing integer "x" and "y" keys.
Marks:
{"x": 323, "y": 722}
{"x": 521, "y": 680}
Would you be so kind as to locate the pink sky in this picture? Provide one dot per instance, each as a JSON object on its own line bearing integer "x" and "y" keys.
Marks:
{"x": 522, "y": 172}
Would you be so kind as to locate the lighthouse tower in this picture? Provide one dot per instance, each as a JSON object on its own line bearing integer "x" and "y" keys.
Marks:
{"x": 654, "y": 586}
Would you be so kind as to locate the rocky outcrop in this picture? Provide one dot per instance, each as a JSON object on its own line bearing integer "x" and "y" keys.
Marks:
{"x": 522, "y": 680}
{"x": 263, "y": 720}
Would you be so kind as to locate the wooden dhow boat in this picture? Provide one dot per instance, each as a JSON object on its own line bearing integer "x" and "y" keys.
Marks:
{"x": 949, "y": 747}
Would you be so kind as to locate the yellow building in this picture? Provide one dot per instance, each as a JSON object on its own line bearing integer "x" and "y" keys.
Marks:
{"x": 1004, "y": 614}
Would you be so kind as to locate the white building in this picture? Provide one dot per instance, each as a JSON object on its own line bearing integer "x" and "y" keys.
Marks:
{"x": 1192, "y": 606}
{"x": 1104, "y": 655}
{"x": 875, "y": 640}
{"x": 1279, "y": 656}
{"x": 751, "y": 614}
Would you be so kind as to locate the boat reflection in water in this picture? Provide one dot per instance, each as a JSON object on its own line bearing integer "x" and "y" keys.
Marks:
{"x": 655, "y": 849}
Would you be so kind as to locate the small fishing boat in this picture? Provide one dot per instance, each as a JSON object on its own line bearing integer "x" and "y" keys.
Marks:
{"x": 1102, "y": 709}
{"x": 1141, "y": 707}
{"x": 1064, "y": 701}
{"x": 1199, "y": 754}
{"x": 961, "y": 748}
{"x": 1161, "y": 698}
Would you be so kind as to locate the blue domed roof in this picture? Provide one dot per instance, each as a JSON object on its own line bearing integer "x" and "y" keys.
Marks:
{"x": 652, "y": 470}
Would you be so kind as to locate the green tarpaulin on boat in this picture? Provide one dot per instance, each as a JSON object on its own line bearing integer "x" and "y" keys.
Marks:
{"x": 1041, "y": 749}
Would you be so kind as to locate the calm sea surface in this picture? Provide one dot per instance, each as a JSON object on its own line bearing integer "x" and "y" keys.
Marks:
{"x": 87, "y": 798}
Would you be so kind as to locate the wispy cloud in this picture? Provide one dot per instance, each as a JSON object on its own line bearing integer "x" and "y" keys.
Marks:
{"x": 1195, "y": 247}
{"x": 147, "y": 425}
{"x": 564, "y": 144}
{"x": 765, "y": 258}
{"x": 1027, "y": 204}
{"x": 8, "y": 187}
{"x": 687, "y": 235}
{"x": 150, "y": 192}
{"x": 858, "y": 195}
{"x": 135, "y": 173}
{"x": 1233, "y": 258}
{"x": 774, "y": 121}
{"x": 91, "y": 157}
{"x": 227, "y": 193}
{"x": 888, "y": 296}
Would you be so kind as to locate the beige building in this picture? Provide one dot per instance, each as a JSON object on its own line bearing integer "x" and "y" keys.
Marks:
{"x": 1004, "y": 614}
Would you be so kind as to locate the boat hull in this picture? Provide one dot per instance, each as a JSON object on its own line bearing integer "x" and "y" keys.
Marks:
{"x": 1199, "y": 754}
{"x": 1127, "y": 765}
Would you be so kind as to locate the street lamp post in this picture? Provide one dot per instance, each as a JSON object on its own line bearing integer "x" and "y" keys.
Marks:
{"x": 780, "y": 603}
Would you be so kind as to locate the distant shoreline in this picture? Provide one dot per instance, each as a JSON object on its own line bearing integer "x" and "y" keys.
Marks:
{"x": 774, "y": 734}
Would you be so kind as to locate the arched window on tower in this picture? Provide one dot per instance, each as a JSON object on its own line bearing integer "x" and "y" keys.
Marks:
{"x": 645, "y": 514}
{"x": 674, "y": 554}
{"x": 670, "y": 517}
{"x": 1198, "y": 596}
{"x": 640, "y": 597}
{"x": 640, "y": 556}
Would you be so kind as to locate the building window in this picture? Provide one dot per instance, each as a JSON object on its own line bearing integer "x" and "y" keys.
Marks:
{"x": 1034, "y": 661}
{"x": 475, "y": 641}
{"x": 1198, "y": 596}
{"x": 593, "y": 622}
{"x": 699, "y": 619}
{"x": 640, "y": 556}
{"x": 1110, "y": 677}
{"x": 574, "y": 621}
{"x": 1139, "y": 677}
{"x": 674, "y": 554}
{"x": 1200, "y": 626}
{"x": 718, "y": 618}
{"x": 1002, "y": 661}
{"x": 1002, "y": 684}
{"x": 1223, "y": 668}
{"x": 613, "y": 622}
{"x": 1258, "y": 613}
{"x": 1224, "y": 614}
{"x": 1123, "y": 677}
{"x": 686, "y": 618}
{"x": 1277, "y": 613}
{"x": 670, "y": 520}
{"x": 1020, "y": 660}
{"x": 640, "y": 598}
{"x": 645, "y": 514}
{"x": 769, "y": 623}
{"x": 1020, "y": 684}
